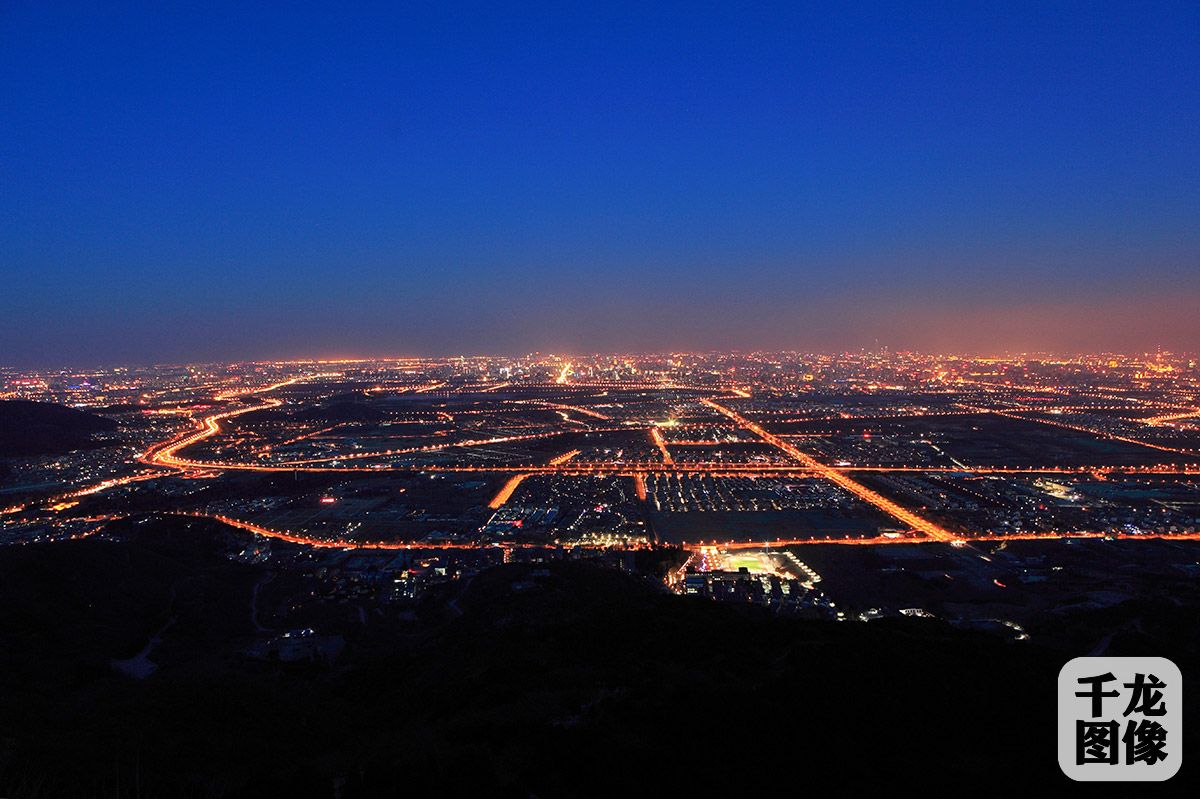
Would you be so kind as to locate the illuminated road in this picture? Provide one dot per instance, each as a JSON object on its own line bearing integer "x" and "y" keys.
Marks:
{"x": 165, "y": 454}
{"x": 884, "y": 540}
{"x": 479, "y": 442}
{"x": 1166, "y": 419}
{"x": 506, "y": 491}
{"x": 560, "y": 407}
{"x": 64, "y": 500}
{"x": 326, "y": 543}
{"x": 828, "y": 472}
{"x": 657, "y": 437}
{"x": 563, "y": 458}
{"x": 639, "y": 486}
{"x": 1094, "y": 432}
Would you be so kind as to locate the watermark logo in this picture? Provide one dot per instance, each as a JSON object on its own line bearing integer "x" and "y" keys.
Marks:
{"x": 1120, "y": 719}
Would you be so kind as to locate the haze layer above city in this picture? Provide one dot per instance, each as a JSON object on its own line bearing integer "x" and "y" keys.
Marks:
{"x": 231, "y": 182}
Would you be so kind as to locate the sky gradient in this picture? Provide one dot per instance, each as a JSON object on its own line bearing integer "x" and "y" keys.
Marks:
{"x": 225, "y": 181}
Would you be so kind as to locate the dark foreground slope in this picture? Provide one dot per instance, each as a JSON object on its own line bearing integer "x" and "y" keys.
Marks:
{"x": 43, "y": 428}
{"x": 574, "y": 681}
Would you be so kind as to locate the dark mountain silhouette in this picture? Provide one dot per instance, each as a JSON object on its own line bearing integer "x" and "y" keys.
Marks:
{"x": 43, "y": 428}
{"x": 559, "y": 679}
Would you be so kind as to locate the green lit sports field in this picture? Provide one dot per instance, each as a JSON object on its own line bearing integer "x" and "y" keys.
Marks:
{"x": 751, "y": 561}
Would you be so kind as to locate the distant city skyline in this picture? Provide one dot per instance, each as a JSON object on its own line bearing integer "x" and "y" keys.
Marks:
{"x": 228, "y": 183}
{"x": 580, "y": 356}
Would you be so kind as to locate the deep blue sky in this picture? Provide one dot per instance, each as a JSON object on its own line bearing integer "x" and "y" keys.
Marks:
{"x": 209, "y": 180}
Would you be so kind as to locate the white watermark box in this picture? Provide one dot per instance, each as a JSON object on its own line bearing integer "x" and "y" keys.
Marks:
{"x": 1120, "y": 719}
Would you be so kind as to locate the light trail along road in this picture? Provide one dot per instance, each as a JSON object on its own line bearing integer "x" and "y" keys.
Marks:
{"x": 829, "y": 473}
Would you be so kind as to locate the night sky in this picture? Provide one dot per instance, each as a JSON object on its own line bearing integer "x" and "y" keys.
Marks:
{"x": 194, "y": 181}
